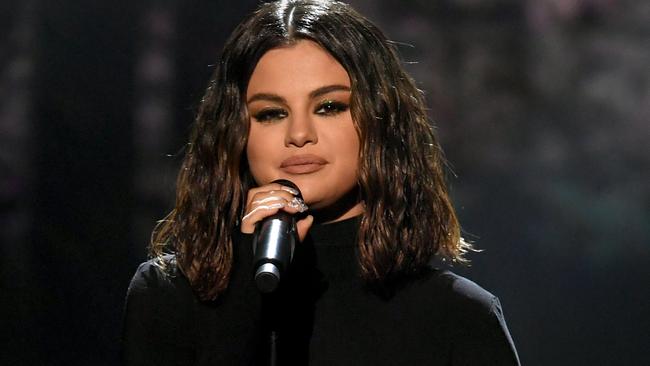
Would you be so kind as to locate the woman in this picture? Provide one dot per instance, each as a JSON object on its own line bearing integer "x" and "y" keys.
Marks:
{"x": 312, "y": 92}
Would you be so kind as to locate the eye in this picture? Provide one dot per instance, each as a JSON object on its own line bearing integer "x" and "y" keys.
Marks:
{"x": 331, "y": 108}
{"x": 270, "y": 115}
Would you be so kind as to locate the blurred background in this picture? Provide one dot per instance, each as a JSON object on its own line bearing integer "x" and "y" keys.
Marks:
{"x": 543, "y": 108}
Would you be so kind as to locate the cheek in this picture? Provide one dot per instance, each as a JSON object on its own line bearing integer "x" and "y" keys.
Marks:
{"x": 255, "y": 154}
{"x": 350, "y": 145}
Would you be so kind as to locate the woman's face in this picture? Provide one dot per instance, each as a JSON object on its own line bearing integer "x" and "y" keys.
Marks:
{"x": 301, "y": 129}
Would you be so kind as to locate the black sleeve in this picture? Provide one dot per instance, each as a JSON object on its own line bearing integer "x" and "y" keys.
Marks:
{"x": 157, "y": 327}
{"x": 482, "y": 337}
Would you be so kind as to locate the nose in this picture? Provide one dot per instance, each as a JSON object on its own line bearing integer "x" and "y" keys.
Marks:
{"x": 300, "y": 131}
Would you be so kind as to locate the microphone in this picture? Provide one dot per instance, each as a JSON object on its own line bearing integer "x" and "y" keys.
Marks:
{"x": 274, "y": 241}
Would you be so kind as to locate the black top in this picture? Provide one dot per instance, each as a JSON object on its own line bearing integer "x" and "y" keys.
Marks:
{"x": 321, "y": 315}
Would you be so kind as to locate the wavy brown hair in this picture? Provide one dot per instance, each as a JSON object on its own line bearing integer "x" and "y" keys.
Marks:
{"x": 408, "y": 216}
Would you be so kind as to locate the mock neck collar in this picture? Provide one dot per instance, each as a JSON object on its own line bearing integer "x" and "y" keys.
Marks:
{"x": 339, "y": 233}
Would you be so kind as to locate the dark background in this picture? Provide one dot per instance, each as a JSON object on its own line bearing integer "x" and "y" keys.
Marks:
{"x": 542, "y": 107}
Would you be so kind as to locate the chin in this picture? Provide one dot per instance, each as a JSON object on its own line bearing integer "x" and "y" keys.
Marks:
{"x": 308, "y": 195}
{"x": 304, "y": 185}
{"x": 313, "y": 196}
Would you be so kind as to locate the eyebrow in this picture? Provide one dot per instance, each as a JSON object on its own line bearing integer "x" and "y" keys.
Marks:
{"x": 313, "y": 94}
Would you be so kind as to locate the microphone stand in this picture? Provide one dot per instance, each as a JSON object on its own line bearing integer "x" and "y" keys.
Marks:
{"x": 270, "y": 327}
{"x": 273, "y": 351}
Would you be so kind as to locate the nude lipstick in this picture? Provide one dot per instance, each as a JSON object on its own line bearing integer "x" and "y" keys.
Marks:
{"x": 303, "y": 164}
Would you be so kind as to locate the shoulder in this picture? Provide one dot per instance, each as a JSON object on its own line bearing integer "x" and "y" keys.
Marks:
{"x": 476, "y": 324}
{"x": 158, "y": 278}
{"x": 466, "y": 304}
{"x": 456, "y": 292}
{"x": 159, "y": 294}
{"x": 459, "y": 292}
{"x": 460, "y": 300}
{"x": 158, "y": 311}
{"x": 153, "y": 273}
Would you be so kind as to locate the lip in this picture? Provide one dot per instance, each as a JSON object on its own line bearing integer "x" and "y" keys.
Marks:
{"x": 303, "y": 164}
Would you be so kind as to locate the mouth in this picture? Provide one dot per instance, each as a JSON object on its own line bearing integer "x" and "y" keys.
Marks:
{"x": 303, "y": 164}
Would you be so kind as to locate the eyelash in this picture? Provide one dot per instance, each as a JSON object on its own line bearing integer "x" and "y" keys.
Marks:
{"x": 270, "y": 114}
{"x": 327, "y": 108}
{"x": 331, "y": 108}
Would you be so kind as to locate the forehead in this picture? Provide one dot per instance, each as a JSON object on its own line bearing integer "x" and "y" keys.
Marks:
{"x": 302, "y": 66}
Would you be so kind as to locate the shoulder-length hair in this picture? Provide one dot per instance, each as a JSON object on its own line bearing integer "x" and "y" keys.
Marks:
{"x": 408, "y": 217}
